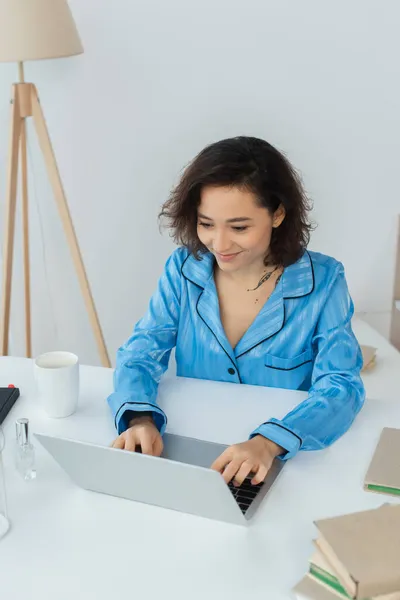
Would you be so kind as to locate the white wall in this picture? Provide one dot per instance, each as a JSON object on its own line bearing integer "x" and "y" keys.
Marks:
{"x": 157, "y": 82}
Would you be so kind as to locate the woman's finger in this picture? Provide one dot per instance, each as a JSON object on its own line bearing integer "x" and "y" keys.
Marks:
{"x": 119, "y": 443}
{"x": 223, "y": 459}
{"x": 230, "y": 470}
{"x": 158, "y": 446}
{"x": 260, "y": 475}
{"x": 130, "y": 441}
{"x": 146, "y": 442}
{"x": 243, "y": 472}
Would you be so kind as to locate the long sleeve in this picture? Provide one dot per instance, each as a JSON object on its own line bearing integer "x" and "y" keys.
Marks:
{"x": 337, "y": 393}
{"x": 144, "y": 358}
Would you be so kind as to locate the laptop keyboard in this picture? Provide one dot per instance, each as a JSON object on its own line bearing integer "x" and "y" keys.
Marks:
{"x": 245, "y": 494}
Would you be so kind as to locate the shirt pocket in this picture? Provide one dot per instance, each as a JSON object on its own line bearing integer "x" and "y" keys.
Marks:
{"x": 288, "y": 364}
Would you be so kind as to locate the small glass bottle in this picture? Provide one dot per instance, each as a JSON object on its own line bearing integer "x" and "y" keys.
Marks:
{"x": 25, "y": 451}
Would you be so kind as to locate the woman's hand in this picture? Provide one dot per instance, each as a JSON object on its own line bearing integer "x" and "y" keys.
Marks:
{"x": 142, "y": 432}
{"x": 254, "y": 456}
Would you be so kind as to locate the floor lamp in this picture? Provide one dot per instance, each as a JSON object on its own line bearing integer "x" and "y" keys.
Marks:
{"x": 35, "y": 30}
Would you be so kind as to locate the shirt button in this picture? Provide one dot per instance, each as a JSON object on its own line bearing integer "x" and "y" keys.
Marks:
{"x": 231, "y": 371}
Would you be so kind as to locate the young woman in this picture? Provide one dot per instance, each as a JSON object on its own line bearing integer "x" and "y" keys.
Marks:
{"x": 242, "y": 300}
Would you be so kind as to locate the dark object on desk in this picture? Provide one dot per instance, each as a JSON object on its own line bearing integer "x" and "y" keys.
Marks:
{"x": 245, "y": 494}
{"x": 8, "y": 396}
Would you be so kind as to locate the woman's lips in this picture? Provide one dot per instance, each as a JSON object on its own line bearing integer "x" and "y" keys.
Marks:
{"x": 227, "y": 257}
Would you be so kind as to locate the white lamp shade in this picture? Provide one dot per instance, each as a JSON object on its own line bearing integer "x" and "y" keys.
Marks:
{"x": 37, "y": 29}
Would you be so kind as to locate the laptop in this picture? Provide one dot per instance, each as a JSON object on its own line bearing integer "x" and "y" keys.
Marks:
{"x": 180, "y": 480}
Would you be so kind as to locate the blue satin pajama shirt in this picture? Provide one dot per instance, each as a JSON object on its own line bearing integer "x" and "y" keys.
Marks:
{"x": 301, "y": 339}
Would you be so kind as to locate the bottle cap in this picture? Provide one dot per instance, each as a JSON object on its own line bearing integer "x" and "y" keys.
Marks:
{"x": 22, "y": 431}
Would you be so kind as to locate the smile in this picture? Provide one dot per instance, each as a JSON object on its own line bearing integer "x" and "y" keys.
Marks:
{"x": 226, "y": 257}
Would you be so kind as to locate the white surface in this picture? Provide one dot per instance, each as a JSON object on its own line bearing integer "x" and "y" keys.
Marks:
{"x": 383, "y": 380}
{"x": 380, "y": 321}
{"x": 67, "y": 543}
{"x": 397, "y": 304}
{"x": 4, "y": 525}
{"x": 160, "y": 80}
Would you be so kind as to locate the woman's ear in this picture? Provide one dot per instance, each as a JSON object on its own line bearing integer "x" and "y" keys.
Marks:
{"x": 279, "y": 215}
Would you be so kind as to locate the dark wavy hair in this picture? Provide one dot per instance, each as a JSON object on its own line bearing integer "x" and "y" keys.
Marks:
{"x": 252, "y": 164}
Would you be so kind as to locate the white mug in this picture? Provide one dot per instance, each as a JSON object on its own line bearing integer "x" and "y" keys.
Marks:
{"x": 57, "y": 380}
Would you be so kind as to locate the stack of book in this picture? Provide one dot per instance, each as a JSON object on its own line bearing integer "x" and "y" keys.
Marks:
{"x": 356, "y": 556}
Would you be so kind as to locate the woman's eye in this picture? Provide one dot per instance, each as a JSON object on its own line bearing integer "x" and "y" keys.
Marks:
{"x": 240, "y": 228}
{"x": 206, "y": 225}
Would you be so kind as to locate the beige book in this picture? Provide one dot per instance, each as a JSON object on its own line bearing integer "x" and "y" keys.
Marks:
{"x": 368, "y": 355}
{"x": 383, "y": 474}
{"x": 363, "y": 549}
{"x": 309, "y": 588}
{"x": 321, "y": 571}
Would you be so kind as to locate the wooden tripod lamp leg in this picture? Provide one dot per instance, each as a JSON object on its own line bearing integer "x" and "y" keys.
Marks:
{"x": 58, "y": 190}
{"x": 24, "y": 98}
{"x": 25, "y": 228}
{"x": 9, "y": 222}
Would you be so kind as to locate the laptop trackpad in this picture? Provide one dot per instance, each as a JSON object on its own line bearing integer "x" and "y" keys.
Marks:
{"x": 191, "y": 451}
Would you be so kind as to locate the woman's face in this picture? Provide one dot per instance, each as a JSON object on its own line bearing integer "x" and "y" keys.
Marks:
{"x": 233, "y": 226}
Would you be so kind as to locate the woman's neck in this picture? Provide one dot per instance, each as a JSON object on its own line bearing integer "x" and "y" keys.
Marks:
{"x": 249, "y": 276}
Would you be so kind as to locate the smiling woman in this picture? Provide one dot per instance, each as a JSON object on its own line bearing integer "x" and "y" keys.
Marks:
{"x": 242, "y": 167}
{"x": 243, "y": 300}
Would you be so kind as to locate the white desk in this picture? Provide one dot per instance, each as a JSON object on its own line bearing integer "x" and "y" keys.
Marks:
{"x": 382, "y": 382}
{"x": 66, "y": 543}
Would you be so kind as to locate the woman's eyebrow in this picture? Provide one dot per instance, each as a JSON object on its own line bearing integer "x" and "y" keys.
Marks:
{"x": 234, "y": 220}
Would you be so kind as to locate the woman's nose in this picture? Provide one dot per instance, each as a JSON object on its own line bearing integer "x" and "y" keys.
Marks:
{"x": 221, "y": 242}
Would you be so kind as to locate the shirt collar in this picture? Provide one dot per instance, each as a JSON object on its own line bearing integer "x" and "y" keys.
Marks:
{"x": 297, "y": 279}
